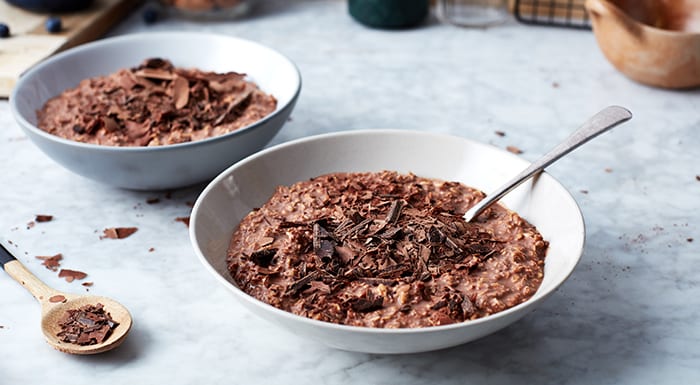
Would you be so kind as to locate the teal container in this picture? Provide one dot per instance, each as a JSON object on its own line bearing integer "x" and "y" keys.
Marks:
{"x": 389, "y": 14}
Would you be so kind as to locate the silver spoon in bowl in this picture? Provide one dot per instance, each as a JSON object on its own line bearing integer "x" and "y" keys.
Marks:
{"x": 55, "y": 304}
{"x": 604, "y": 120}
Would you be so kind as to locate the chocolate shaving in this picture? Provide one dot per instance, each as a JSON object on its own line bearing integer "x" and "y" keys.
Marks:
{"x": 43, "y": 218}
{"x": 301, "y": 283}
{"x": 238, "y": 100}
{"x": 185, "y": 220}
{"x": 514, "y": 150}
{"x": 154, "y": 73}
{"x": 363, "y": 305}
{"x": 263, "y": 257}
{"x": 468, "y": 308}
{"x": 87, "y": 325}
{"x": 118, "y": 232}
{"x": 394, "y": 211}
{"x": 52, "y": 263}
{"x": 71, "y": 275}
{"x": 181, "y": 92}
{"x": 323, "y": 242}
{"x": 393, "y": 271}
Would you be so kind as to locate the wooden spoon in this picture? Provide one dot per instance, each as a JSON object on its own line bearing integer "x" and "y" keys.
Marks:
{"x": 54, "y": 305}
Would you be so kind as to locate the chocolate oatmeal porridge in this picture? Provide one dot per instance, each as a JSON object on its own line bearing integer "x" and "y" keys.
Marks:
{"x": 155, "y": 104}
{"x": 385, "y": 250}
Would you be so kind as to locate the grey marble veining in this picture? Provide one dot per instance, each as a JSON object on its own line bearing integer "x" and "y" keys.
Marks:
{"x": 629, "y": 314}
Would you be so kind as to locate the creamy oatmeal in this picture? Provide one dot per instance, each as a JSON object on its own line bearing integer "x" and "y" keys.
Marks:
{"x": 385, "y": 250}
{"x": 155, "y": 104}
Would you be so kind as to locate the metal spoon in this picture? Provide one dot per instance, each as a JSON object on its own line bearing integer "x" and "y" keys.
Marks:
{"x": 54, "y": 305}
{"x": 604, "y": 120}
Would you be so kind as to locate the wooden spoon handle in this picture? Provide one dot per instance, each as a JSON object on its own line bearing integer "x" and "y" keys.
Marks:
{"x": 19, "y": 273}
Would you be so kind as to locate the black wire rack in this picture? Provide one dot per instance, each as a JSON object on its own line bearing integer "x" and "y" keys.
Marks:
{"x": 556, "y": 13}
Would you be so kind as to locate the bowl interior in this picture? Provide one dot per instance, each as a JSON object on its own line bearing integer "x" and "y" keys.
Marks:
{"x": 682, "y": 16}
{"x": 273, "y": 73}
{"x": 249, "y": 183}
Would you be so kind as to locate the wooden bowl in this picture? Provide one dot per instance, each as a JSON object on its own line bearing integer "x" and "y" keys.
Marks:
{"x": 655, "y": 42}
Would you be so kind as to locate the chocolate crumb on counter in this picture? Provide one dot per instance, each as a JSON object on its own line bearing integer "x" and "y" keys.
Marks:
{"x": 87, "y": 284}
{"x": 155, "y": 104}
{"x": 689, "y": 240}
{"x": 118, "y": 232}
{"x": 43, "y": 218}
{"x": 30, "y": 224}
{"x": 697, "y": 178}
{"x": 185, "y": 220}
{"x": 52, "y": 263}
{"x": 87, "y": 325}
{"x": 385, "y": 250}
{"x": 151, "y": 249}
{"x": 71, "y": 275}
{"x": 499, "y": 133}
{"x": 514, "y": 150}
{"x": 608, "y": 170}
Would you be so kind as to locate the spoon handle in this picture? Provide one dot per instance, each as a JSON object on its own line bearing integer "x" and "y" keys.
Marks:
{"x": 5, "y": 256}
{"x": 15, "y": 269}
{"x": 604, "y": 120}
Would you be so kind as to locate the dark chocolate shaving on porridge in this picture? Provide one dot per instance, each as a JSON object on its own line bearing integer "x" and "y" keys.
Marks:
{"x": 385, "y": 250}
{"x": 155, "y": 104}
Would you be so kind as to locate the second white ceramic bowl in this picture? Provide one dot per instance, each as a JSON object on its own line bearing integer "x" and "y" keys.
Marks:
{"x": 159, "y": 167}
{"x": 249, "y": 183}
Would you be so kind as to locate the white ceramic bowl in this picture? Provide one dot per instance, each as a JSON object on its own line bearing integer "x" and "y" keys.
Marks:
{"x": 161, "y": 167}
{"x": 250, "y": 182}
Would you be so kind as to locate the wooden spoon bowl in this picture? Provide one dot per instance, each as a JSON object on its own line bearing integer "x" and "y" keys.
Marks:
{"x": 53, "y": 313}
{"x": 55, "y": 304}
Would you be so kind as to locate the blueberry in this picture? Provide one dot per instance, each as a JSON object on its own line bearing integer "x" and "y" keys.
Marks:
{"x": 4, "y": 30}
{"x": 150, "y": 15}
{"x": 53, "y": 24}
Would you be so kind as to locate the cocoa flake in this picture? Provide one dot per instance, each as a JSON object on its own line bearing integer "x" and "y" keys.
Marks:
{"x": 185, "y": 220}
{"x": 181, "y": 92}
{"x": 43, "y": 218}
{"x": 118, "y": 232}
{"x": 71, "y": 275}
{"x": 514, "y": 150}
{"x": 367, "y": 304}
{"x": 52, "y": 263}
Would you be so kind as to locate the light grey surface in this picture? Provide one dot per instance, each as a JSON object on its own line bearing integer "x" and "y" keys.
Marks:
{"x": 630, "y": 313}
{"x": 599, "y": 123}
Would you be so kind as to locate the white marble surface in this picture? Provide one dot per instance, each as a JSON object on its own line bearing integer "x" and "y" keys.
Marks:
{"x": 630, "y": 314}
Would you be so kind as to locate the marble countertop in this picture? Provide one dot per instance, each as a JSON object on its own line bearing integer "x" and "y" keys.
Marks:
{"x": 629, "y": 314}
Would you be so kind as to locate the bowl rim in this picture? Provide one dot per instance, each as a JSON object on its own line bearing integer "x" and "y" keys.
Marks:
{"x": 364, "y": 329}
{"x": 24, "y": 123}
{"x": 620, "y": 12}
